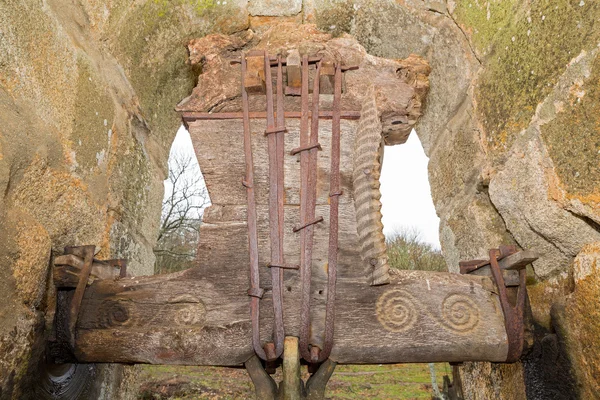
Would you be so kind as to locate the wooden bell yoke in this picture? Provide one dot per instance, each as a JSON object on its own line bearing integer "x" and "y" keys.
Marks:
{"x": 294, "y": 233}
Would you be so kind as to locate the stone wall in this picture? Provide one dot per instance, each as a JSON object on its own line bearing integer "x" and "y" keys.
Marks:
{"x": 512, "y": 131}
{"x": 87, "y": 90}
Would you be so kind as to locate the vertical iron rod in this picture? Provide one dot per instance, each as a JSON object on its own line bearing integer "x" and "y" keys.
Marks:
{"x": 252, "y": 230}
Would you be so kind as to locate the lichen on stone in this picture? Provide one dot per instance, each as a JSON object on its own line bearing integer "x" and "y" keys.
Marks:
{"x": 528, "y": 56}
{"x": 582, "y": 316}
{"x": 573, "y": 139}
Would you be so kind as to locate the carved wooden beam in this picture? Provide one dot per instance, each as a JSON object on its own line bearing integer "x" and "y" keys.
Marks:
{"x": 184, "y": 318}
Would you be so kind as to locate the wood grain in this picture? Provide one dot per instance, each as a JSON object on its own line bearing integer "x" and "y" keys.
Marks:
{"x": 183, "y": 318}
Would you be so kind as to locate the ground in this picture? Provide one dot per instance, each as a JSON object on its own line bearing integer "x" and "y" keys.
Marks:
{"x": 397, "y": 381}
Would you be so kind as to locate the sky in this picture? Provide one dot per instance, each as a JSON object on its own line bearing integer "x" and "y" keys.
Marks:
{"x": 405, "y": 193}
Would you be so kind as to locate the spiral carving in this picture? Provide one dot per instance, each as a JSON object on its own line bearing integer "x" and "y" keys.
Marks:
{"x": 115, "y": 314}
{"x": 460, "y": 313}
{"x": 396, "y": 311}
{"x": 189, "y": 314}
{"x": 187, "y": 310}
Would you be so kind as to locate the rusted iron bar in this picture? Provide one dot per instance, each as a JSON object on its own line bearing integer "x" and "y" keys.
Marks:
{"x": 334, "y": 199}
{"x": 314, "y": 221}
{"x": 466, "y": 267}
{"x": 305, "y": 261}
{"x": 284, "y": 266}
{"x": 507, "y": 259}
{"x": 255, "y": 292}
{"x": 276, "y": 259}
{"x": 308, "y": 354}
{"x": 513, "y": 315}
{"x": 305, "y": 148}
{"x": 277, "y": 129}
{"x": 88, "y": 259}
{"x": 275, "y": 59}
{"x": 280, "y": 144}
{"x": 189, "y": 116}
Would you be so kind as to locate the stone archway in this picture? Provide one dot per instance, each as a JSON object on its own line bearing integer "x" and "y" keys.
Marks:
{"x": 493, "y": 127}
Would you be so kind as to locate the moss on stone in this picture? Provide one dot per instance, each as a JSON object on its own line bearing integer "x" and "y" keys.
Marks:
{"x": 93, "y": 119}
{"x": 573, "y": 138}
{"x": 529, "y": 56}
{"x": 484, "y": 20}
{"x": 152, "y": 45}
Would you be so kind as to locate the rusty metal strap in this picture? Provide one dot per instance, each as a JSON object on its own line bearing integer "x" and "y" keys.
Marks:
{"x": 280, "y": 145}
{"x": 306, "y": 225}
{"x": 513, "y": 315}
{"x": 248, "y": 181}
{"x": 284, "y": 266}
{"x": 308, "y": 171}
{"x": 466, "y": 267}
{"x": 334, "y": 185}
{"x": 276, "y": 129}
{"x": 256, "y": 292}
{"x": 305, "y": 148}
{"x": 273, "y": 133}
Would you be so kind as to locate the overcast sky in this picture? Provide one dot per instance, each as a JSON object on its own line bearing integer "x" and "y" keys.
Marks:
{"x": 405, "y": 192}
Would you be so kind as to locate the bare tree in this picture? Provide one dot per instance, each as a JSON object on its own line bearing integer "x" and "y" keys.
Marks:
{"x": 183, "y": 204}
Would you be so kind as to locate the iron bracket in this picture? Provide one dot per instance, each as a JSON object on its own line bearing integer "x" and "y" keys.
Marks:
{"x": 507, "y": 258}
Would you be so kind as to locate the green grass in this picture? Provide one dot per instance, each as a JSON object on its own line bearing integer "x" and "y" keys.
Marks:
{"x": 407, "y": 251}
{"x": 395, "y": 381}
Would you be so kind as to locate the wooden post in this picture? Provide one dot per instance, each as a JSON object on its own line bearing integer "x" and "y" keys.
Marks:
{"x": 317, "y": 383}
{"x": 264, "y": 386}
{"x": 291, "y": 386}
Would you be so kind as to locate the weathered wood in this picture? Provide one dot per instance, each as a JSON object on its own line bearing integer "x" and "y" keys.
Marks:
{"x": 191, "y": 116}
{"x": 254, "y": 80}
{"x": 291, "y": 385}
{"x": 219, "y": 148}
{"x": 368, "y": 159}
{"x": 294, "y": 80}
{"x": 264, "y": 386}
{"x": 68, "y": 269}
{"x": 184, "y": 318}
{"x": 518, "y": 260}
{"x": 326, "y": 78}
{"x": 510, "y": 266}
{"x": 317, "y": 383}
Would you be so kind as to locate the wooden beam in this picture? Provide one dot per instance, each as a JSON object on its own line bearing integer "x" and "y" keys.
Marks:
{"x": 189, "y": 116}
{"x": 68, "y": 267}
{"x": 510, "y": 266}
{"x": 183, "y": 318}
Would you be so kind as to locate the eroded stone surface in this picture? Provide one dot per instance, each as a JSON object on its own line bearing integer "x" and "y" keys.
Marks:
{"x": 502, "y": 169}
{"x": 274, "y": 8}
{"x": 511, "y": 111}
{"x": 87, "y": 91}
{"x": 582, "y": 317}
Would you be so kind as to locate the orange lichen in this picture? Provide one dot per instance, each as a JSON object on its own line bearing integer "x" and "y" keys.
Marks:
{"x": 583, "y": 320}
{"x": 29, "y": 269}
